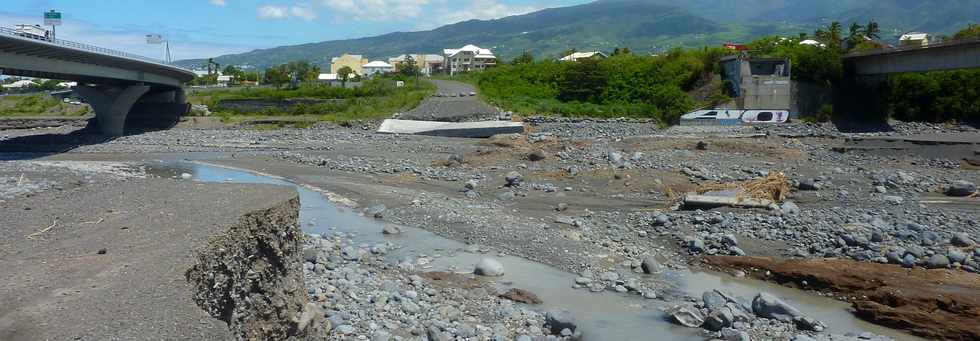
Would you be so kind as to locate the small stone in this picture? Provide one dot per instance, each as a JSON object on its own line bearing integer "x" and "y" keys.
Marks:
{"x": 661, "y": 220}
{"x": 807, "y": 323}
{"x": 909, "y": 260}
{"x": 102, "y": 251}
{"x": 561, "y": 207}
{"x": 489, "y": 267}
{"x": 186, "y": 176}
{"x": 701, "y": 145}
{"x": 537, "y": 155}
{"x": 513, "y": 179}
{"x": 730, "y": 334}
{"x": 376, "y": 211}
{"x": 809, "y": 185}
{"x": 505, "y": 196}
{"x": 471, "y": 184}
{"x": 893, "y": 199}
{"x": 391, "y": 229}
{"x": 790, "y": 208}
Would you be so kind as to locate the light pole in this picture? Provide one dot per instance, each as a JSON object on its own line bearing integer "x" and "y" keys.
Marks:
{"x": 157, "y": 39}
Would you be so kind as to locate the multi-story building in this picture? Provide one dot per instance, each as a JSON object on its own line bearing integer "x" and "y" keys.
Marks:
{"x": 429, "y": 64}
{"x": 354, "y": 61}
{"x": 468, "y": 58}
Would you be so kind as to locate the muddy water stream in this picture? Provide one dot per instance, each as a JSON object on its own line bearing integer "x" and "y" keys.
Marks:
{"x": 601, "y": 316}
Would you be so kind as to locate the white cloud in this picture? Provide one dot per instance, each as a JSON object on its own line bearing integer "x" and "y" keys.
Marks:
{"x": 270, "y": 12}
{"x": 218, "y": 2}
{"x": 304, "y": 12}
{"x": 377, "y": 10}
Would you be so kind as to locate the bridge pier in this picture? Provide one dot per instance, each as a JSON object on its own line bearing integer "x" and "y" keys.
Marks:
{"x": 112, "y": 105}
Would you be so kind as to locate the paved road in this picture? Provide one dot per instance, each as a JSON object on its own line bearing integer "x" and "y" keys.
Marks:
{"x": 444, "y": 107}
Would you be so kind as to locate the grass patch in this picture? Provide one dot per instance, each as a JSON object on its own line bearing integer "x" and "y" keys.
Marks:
{"x": 376, "y": 99}
{"x": 39, "y": 105}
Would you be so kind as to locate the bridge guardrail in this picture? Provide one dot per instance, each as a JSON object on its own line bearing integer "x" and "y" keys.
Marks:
{"x": 85, "y": 47}
{"x": 947, "y": 43}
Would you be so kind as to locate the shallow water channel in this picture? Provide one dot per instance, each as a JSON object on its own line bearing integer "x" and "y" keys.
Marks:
{"x": 601, "y": 316}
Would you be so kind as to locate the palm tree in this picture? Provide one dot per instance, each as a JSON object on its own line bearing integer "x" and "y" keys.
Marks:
{"x": 855, "y": 31}
{"x": 872, "y": 29}
{"x": 836, "y": 32}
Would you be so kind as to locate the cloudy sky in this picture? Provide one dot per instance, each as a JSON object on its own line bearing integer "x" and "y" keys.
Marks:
{"x": 206, "y": 28}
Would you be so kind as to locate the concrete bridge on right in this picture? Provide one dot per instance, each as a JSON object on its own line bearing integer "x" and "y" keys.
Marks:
{"x": 953, "y": 55}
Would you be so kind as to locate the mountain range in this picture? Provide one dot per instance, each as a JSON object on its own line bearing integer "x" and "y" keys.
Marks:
{"x": 642, "y": 25}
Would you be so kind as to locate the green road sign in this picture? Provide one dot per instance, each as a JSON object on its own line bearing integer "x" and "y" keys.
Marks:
{"x": 52, "y": 18}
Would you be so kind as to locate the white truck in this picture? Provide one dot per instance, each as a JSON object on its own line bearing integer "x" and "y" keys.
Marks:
{"x": 33, "y": 31}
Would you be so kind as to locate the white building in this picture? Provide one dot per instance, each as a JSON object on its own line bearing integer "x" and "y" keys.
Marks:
{"x": 223, "y": 80}
{"x": 20, "y": 84}
{"x": 583, "y": 55}
{"x": 376, "y": 67}
{"x": 812, "y": 42}
{"x": 914, "y": 39}
{"x": 468, "y": 58}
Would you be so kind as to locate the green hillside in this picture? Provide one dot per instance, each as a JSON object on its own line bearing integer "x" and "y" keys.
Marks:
{"x": 645, "y": 26}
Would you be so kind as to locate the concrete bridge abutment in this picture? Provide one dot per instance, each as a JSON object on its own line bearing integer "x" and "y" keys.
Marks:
{"x": 112, "y": 105}
{"x": 120, "y": 107}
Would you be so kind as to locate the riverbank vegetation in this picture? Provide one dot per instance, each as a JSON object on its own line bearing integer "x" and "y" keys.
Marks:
{"x": 623, "y": 85}
{"x": 373, "y": 99}
{"x": 40, "y": 104}
{"x": 665, "y": 86}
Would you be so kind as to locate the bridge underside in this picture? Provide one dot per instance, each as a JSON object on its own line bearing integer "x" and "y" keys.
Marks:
{"x": 124, "y": 91}
{"x": 943, "y": 58}
{"x": 120, "y": 107}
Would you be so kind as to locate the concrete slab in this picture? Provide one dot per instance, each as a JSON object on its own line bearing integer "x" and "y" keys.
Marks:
{"x": 451, "y": 129}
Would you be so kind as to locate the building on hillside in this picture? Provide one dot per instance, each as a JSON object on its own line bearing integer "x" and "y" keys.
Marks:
{"x": 377, "y": 67}
{"x": 736, "y": 47}
{"x": 429, "y": 64}
{"x": 811, "y": 42}
{"x": 21, "y": 84}
{"x": 333, "y": 79}
{"x": 576, "y": 56}
{"x": 917, "y": 39}
{"x": 224, "y": 80}
{"x": 354, "y": 61}
{"x": 468, "y": 58}
{"x": 757, "y": 83}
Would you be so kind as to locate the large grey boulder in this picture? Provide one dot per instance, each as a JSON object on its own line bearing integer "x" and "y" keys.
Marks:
{"x": 650, "y": 265}
{"x": 771, "y": 307}
{"x": 961, "y": 239}
{"x": 937, "y": 261}
{"x": 489, "y": 267}
{"x": 558, "y": 321}
{"x": 961, "y": 188}
{"x": 686, "y": 315}
{"x": 719, "y": 318}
